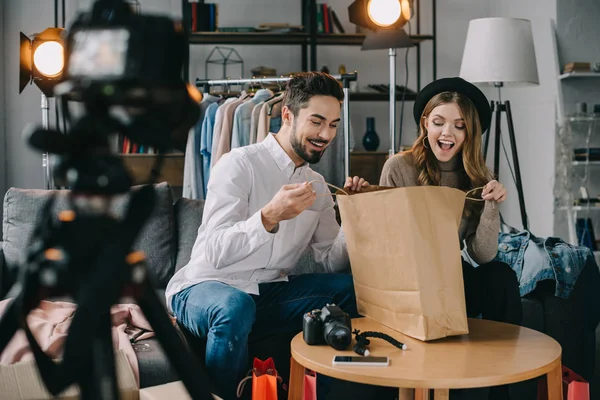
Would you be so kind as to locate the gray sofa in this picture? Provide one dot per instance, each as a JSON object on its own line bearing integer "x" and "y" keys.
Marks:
{"x": 168, "y": 237}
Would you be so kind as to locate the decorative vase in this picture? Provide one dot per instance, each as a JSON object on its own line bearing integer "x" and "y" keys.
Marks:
{"x": 370, "y": 139}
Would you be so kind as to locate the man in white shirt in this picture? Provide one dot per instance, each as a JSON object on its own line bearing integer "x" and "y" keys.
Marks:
{"x": 264, "y": 208}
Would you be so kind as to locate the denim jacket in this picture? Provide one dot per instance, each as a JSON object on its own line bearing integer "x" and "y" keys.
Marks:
{"x": 535, "y": 259}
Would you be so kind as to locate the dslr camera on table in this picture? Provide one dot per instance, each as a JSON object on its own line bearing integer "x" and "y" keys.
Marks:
{"x": 332, "y": 326}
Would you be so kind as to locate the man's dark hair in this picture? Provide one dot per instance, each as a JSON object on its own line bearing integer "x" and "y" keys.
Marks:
{"x": 303, "y": 86}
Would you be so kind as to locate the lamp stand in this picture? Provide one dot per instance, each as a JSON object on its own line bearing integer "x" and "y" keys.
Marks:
{"x": 499, "y": 107}
{"x": 45, "y": 156}
{"x": 392, "y": 54}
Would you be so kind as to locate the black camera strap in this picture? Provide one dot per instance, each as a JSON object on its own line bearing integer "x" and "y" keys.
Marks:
{"x": 362, "y": 342}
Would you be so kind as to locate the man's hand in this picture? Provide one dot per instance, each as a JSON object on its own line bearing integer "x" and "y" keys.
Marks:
{"x": 355, "y": 184}
{"x": 289, "y": 201}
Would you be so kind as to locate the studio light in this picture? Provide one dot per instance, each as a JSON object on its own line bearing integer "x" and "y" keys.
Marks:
{"x": 384, "y": 13}
{"x": 42, "y": 61}
{"x": 380, "y": 14}
{"x": 385, "y": 20}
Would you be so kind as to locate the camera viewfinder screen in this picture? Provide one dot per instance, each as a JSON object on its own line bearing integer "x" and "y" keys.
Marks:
{"x": 99, "y": 54}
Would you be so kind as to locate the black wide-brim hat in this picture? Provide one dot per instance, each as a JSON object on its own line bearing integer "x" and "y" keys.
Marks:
{"x": 459, "y": 85}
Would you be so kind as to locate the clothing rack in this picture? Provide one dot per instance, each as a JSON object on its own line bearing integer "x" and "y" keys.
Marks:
{"x": 344, "y": 78}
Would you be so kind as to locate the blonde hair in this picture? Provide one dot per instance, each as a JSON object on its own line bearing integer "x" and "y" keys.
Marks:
{"x": 427, "y": 165}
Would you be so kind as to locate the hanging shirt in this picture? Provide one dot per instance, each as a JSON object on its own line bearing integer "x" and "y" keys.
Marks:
{"x": 242, "y": 119}
{"x": 254, "y": 121}
{"x": 193, "y": 168}
{"x": 233, "y": 245}
{"x": 273, "y": 105}
{"x": 206, "y": 139}
{"x": 218, "y": 128}
{"x": 224, "y": 145}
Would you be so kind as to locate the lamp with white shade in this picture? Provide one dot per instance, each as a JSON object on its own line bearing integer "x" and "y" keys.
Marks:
{"x": 499, "y": 52}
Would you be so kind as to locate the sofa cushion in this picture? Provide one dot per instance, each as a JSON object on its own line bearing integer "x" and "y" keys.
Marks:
{"x": 188, "y": 214}
{"x": 22, "y": 212}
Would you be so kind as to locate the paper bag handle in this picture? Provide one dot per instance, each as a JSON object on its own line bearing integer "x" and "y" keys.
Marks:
{"x": 329, "y": 184}
{"x": 346, "y": 193}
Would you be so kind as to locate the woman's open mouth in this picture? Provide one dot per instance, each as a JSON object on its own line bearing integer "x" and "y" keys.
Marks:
{"x": 445, "y": 144}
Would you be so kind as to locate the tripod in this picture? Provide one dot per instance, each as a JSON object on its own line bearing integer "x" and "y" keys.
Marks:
{"x": 499, "y": 107}
{"x": 86, "y": 253}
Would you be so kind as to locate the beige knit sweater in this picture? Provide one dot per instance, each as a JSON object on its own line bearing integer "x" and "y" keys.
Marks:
{"x": 479, "y": 232}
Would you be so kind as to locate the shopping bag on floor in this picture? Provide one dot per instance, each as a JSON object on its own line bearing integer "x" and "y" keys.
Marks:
{"x": 405, "y": 257}
{"x": 309, "y": 388}
{"x": 574, "y": 386}
{"x": 264, "y": 380}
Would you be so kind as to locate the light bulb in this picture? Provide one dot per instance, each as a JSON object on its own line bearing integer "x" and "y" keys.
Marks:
{"x": 384, "y": 12}
{"x": 49, "y": 58}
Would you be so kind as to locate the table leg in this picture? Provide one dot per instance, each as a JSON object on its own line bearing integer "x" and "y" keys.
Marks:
{"x": 421, "y": 394}
{"x": 296, "y": 380}
{"x": 441, "y": 394}
{"x": 406, "y": 394}
{"x": 554, "y": 379}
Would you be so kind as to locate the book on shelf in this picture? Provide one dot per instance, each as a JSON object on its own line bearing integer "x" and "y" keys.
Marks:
{"x": 124, "y": 145}
{"x": 203, "y": 17}
{"x": 327, "y": 20}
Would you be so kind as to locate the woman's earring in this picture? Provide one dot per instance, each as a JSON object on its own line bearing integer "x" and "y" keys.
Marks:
{"x": 425, "y": 143}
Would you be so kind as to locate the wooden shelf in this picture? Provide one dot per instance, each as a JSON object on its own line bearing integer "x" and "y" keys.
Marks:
{"x": 580, "y": 208}
{"x": 343, "y": 39}
{"x": 578, "y": 163}
{"x": 140, "y": 165}
{"x": 357, "y": 39}
{"x": 249, "y": 38}
{"x": 368, "y": 164}
{"x": 374, "y": 96}
{"x": 571, "y": 75}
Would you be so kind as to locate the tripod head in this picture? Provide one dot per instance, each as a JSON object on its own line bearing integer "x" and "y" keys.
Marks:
{"x": 125, "y": 70}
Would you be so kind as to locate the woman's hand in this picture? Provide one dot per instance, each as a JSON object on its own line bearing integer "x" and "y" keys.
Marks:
{"x": 355, "y": 184}
{"x": 494, "y": 191}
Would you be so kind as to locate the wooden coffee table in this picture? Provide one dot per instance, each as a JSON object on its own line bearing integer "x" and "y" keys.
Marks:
{"x": 492, "y": 354}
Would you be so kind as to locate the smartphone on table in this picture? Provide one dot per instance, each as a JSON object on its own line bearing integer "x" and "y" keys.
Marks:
{"x": 363, "y": 361}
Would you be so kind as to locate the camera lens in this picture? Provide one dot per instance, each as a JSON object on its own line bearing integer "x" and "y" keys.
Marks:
{"x": 337, "y": 335}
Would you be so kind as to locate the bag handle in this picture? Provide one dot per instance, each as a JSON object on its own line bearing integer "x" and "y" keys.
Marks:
{"x": 346, "y": 193}
{"x": 328, "y": 184}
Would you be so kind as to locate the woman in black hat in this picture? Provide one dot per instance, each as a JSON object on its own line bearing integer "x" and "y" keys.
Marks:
{"x": 452, "y": 115}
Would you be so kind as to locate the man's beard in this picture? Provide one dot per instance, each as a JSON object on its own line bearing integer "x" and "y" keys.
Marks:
{"x": 309, "y": 157}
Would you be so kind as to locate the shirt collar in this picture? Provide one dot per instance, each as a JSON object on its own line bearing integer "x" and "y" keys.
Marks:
{"x": 209, "y": 98}
{"x": 283, "y": 161}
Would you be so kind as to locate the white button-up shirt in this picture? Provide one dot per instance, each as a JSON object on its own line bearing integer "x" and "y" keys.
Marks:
{"x": 233, "y": 245}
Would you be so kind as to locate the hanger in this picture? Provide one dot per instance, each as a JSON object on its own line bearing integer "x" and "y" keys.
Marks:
{"x": 270, "y": 108}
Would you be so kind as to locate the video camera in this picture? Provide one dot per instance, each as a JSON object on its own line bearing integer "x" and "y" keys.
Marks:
{"x": 125, "y": 70}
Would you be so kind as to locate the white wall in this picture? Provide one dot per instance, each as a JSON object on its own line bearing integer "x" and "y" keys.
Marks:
{"x": 2, "y": 108}
{"x": 533, "y": 110}
{"x": 533, "y": 107}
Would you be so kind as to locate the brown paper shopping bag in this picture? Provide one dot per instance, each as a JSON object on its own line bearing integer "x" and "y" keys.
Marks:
{"x": 405, "y": 256}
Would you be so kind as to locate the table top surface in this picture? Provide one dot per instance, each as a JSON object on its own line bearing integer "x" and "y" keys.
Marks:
{"x": 493, "y": 353}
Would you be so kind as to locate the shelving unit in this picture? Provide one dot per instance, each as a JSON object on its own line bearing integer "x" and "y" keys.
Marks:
{"x": 309, "y": 40}
{"x": 576, "y": 132}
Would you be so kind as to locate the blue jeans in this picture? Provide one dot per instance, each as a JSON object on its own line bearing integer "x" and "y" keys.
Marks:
{"x": 225, "y": 316}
